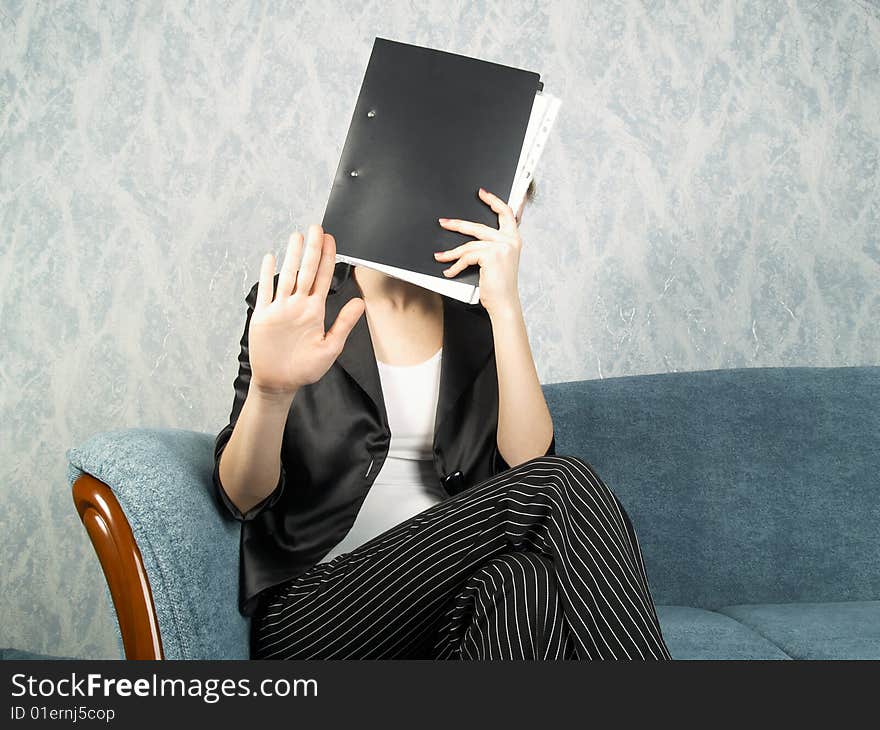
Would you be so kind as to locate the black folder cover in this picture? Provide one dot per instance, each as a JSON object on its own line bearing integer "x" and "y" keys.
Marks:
{"x": 429, "y": 128}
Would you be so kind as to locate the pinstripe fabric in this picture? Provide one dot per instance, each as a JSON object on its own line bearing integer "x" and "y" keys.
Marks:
{"x": 540, "y": 561}
{"x": 509, "y": 608}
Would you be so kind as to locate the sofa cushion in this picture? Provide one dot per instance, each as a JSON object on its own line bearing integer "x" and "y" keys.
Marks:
{"x": 694, "y": 633}
{"x": 840, "y": 630}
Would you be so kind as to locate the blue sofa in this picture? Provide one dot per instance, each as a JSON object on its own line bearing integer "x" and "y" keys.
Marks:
{"x": 754, "y": 491}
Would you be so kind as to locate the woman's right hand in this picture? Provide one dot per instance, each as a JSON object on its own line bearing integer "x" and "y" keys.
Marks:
{"x": 288, "y": 347}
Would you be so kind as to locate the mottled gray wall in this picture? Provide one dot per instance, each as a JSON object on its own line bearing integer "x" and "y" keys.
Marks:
{"x": 708, "y": 200}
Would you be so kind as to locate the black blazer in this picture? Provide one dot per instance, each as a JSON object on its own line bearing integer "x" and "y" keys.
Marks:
{"x": 336, "y": 439}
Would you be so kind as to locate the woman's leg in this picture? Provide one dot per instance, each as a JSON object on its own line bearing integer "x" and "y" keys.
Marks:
{"x": 509, "y": 608}
{"x": 389, "y": 598}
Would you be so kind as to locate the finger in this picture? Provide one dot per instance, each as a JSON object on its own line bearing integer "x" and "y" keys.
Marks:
{"x": 463, "y": 263}
{"x": 345, "y": 322}
{"x": 469, "y": 228}
{"x": 305, "y": 277}
{"x": 454, "y": 253}
{"x": 264, "y": 285}
{"x": 325, "y": 268}
{"x": 287, "y": 277}
{"x": 506, "y": 217}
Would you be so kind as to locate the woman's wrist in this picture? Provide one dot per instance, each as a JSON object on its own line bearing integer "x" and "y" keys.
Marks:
{"x": 269, "y": 400}
{"x": 506, "y": 312}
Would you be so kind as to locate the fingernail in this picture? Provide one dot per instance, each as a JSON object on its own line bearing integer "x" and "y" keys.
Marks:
{"x": 437, "y": 254}
{"x": 482, "y": 191}
{"x": 443, "y": 220}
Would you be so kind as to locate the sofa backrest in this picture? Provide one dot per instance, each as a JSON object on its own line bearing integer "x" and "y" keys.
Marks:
{"x": 744, "y": 485}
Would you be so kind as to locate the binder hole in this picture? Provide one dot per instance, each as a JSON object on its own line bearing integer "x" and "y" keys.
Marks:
{"x": 371, "y": 113}
{"x": 353, "y": 173}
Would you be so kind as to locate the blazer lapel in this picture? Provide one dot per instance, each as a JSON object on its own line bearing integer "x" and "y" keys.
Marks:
{"x": 467, "y": 344}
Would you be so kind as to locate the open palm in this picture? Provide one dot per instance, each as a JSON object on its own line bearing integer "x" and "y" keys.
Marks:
{"x": 288, "y": 346}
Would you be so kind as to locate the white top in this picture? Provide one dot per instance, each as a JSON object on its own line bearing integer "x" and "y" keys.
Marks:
{"x": 407, "y": 482}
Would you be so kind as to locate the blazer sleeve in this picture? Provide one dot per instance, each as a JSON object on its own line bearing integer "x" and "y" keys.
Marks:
{"x": 499, "y": 465}
{"x": 241, "y": 385}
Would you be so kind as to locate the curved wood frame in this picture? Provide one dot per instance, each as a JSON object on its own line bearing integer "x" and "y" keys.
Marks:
{"x": 123, "y": 566}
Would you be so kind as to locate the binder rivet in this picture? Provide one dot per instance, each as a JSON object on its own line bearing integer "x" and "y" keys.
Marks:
{"x": 353, "y": 173}
{"x": 371, "y": 113}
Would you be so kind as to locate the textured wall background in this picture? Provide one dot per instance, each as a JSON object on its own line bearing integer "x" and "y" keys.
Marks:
{"x": 709, "y": 199}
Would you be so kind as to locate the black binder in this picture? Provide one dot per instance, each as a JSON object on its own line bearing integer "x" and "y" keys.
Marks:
{"x": 429, "y": 128}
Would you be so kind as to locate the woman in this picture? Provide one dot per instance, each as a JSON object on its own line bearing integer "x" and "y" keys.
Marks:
{"x": 396, "y": 477}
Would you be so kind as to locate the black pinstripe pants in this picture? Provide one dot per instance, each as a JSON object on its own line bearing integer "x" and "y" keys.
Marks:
{"x": 538, "y": 562}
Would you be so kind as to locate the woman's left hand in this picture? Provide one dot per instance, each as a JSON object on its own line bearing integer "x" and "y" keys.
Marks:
{"x": 496, "y": 252}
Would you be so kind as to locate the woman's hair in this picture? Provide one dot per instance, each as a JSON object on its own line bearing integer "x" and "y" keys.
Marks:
{"x": 530, "y": 191}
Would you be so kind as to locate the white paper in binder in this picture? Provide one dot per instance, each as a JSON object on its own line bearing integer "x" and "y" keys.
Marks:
{"x": 544, "y": 110}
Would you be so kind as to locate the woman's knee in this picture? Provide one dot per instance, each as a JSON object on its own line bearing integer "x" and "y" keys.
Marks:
{"x": 574, "y": 476}
{"x": 565, "y": 461}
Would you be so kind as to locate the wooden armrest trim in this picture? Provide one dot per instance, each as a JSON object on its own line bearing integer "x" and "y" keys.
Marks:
{"x": 123, "y": 566}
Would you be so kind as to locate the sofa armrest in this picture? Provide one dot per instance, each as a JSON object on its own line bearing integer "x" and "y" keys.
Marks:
{"x": 123, "y": 567}
{"x": 161, "y": 479}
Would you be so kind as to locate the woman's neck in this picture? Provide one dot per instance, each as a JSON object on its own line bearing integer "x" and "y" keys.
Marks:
{"x": 392, "y": 294}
